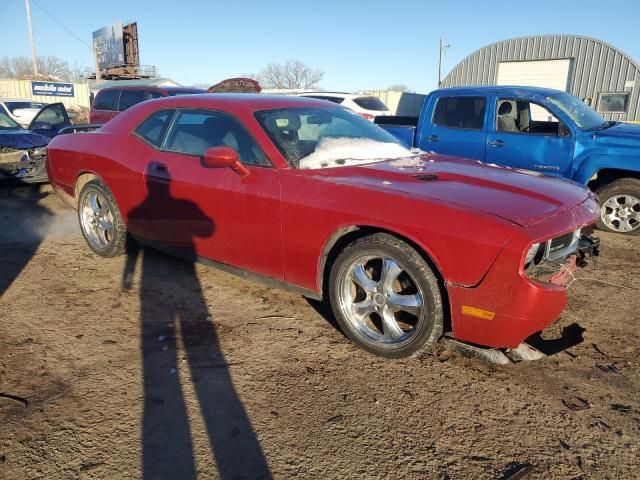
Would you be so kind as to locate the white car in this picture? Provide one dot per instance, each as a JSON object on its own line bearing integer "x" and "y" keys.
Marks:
{"x": 20, "y": 109}
{"x": 367, "y": 106}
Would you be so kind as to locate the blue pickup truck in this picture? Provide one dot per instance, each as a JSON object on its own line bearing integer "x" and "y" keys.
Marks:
{"x": 537, "y": 129}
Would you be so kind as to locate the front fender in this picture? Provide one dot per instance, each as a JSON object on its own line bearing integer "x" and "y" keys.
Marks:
{"x": 594, "y": 163}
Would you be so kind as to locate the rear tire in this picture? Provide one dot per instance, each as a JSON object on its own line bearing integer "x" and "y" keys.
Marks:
{"x": 386, "y": 297}
{"x": 620, "y": 206}
{"x": 100, "y": 220}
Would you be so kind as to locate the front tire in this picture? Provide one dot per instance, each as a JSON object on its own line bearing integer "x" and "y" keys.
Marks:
{"x": 386, "y": 297}
{"x": 620, "y": 206}
{"x": 100, "y": 220}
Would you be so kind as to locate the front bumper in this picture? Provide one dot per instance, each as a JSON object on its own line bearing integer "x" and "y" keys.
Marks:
{"x": 518, "y": 305}
{"x": 22, "y": 166}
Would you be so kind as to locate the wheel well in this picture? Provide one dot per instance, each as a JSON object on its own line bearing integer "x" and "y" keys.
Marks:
{"x": 608, "y": 175}
{"x": 347, "y": 235}
{"x": 81, "y": 181}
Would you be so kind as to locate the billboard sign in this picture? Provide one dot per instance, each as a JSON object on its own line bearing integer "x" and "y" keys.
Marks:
{"x": 52, "y": 89}
{"x": 108, "y": 46}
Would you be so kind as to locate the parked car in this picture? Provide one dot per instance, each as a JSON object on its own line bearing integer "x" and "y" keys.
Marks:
{"x": 110, "y": 101}
{"x": 311, "y": 197}
{"x": 23, "y": 150}
{"x": 537, "y": 129}
{"x": 367, "y": 106}
{"x": 20, "y": 110}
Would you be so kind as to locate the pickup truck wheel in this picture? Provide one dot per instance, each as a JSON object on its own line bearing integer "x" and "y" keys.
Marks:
{"x": 386, "y": 297}
{"x": 620, "y": 206}
{"x": 100, "y": 220}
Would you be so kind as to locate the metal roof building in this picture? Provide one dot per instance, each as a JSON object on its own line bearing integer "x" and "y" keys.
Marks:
{"x": 590, "y": 69}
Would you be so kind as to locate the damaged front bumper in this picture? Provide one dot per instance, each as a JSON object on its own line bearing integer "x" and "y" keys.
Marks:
{"x": 23, "y": 166}
{"x": 515, "y": 300}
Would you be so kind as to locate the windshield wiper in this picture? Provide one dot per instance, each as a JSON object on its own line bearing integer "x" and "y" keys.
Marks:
{"x": 605, "y": 125}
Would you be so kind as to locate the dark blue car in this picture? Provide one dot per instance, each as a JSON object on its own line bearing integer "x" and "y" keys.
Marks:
{"x": 23, "y": 150}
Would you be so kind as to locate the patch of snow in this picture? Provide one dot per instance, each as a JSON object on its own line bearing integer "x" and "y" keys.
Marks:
{"x": 407, "y": 162}
{"x": 341, "y": 152}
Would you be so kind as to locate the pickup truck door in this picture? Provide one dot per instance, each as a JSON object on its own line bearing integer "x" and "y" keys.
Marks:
{"x": 525, "y": 134}
{"x": 454, "y": 125}
{"x": 214, "y": 212}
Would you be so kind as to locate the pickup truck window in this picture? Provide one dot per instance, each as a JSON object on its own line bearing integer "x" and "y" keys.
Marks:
{"x": 517, "y": 116}
{"x": 460, "y": 112}
{"x": 584, "y": 116}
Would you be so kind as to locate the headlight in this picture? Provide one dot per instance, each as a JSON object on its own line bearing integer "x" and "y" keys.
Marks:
{"x": 531, "y": 254}
{"x": 39, "y": 152}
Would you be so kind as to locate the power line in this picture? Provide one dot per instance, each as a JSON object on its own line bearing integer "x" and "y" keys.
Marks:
{"x": 59, "y": 23}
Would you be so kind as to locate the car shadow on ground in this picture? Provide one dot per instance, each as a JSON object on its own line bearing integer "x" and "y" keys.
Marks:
{"x": 176, "y": 327}
{"x": 24, "y": 222}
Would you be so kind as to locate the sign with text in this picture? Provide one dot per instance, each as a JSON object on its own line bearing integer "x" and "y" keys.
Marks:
{"x": 108, "y": 46}
{"x": 52, "y": 89}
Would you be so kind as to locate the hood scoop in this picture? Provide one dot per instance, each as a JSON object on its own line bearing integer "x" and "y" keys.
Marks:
{"x": 425, "y": 177}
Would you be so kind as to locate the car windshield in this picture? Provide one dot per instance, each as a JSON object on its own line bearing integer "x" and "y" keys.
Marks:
{"x": 318, "y": 137}
{"x": 8, "y": 123}
{"x": 584, "y": 116}
{"x": 13, "y": 106}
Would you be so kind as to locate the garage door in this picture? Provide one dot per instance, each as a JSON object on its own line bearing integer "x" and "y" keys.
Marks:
{"x": 538, "y": 73}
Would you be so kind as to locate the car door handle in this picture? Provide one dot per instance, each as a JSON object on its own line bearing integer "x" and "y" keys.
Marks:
{"x": 431, "y": 138}
{"x": 496, "y": 143}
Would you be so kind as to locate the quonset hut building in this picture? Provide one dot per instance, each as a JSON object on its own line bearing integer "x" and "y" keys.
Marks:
{"x": 590, "y": 69}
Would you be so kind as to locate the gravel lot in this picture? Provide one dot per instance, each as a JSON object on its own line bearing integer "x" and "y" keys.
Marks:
{"x": 155, "y": 368}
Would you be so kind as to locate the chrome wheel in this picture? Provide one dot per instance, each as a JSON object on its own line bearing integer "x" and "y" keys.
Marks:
{"x": 621, "y": 213}
{"x": 381, "y": 300}
{"x": 96, "y": 219}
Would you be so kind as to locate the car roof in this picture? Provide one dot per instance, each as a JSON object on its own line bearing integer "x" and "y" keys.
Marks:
{"x": 233, "y": 103}
{"x": 239, "y": 101}
{"x": 499, "y": 89}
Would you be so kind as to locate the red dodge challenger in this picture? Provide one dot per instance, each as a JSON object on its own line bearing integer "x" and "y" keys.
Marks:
{"x": 405, "y": 246}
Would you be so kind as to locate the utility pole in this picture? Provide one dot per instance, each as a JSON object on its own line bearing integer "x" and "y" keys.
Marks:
{"x": 443, "y": 47}
{"x": 33, "y": 44}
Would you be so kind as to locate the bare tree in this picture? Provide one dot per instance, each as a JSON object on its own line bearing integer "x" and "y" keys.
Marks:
{"x": 49, "y": 67}
{"x": 398, "y": 87}
{"x": 291, "y": 74}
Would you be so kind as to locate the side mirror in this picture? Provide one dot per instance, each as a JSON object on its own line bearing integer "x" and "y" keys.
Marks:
{"x": 221, "y": 157}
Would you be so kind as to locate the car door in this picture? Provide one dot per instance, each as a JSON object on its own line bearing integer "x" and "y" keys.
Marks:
{"x": 526, "y": 134}
{"x": 50, "y": 120}
{"x": 214, "y": 211}
{"x": 457, "y": 126}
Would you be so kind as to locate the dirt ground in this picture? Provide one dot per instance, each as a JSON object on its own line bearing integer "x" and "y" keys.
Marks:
{"x": 147, "y": 367}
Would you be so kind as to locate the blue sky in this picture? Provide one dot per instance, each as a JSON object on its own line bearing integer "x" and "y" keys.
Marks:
{"x": 358, "y": 44}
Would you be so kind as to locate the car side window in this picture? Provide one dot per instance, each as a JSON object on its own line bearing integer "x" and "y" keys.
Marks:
{"x": 128, "y": 98}
{"x": 460, "y": 112}
{"x": 154, "y": 127}
{"x": 195, "y": 131}
{"x": 518, "y": 116}
{"x": 54, "y": 115}
{"x": 106, "y": 100}
{"x": 153, "y": 95}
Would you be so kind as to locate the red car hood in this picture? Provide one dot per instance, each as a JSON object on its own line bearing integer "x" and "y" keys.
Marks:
{"x": 522, "y": 198}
